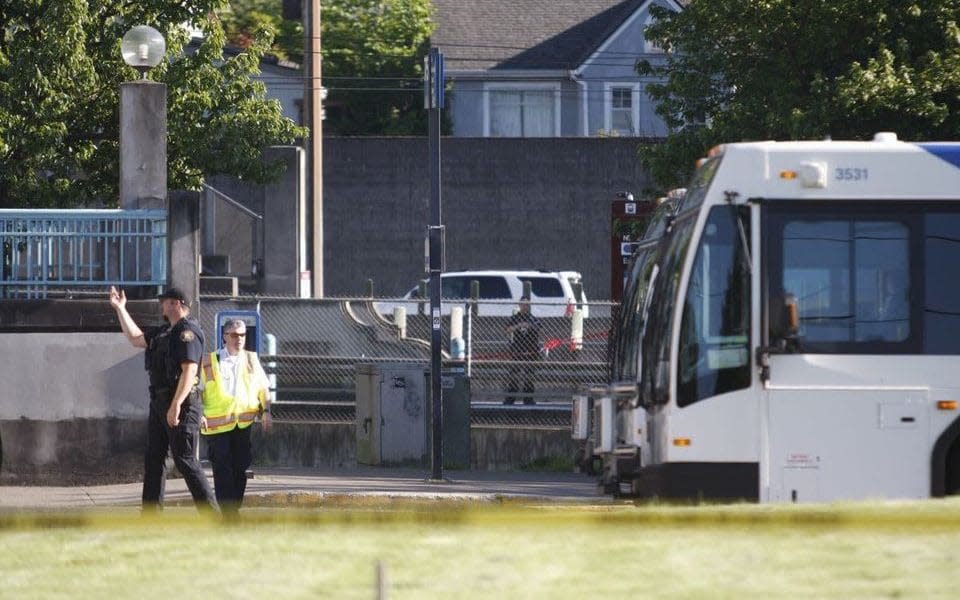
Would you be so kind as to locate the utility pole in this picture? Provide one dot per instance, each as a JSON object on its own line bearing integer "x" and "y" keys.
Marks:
{"x": 433, "y": 102}
{"x": 313, "y": 97}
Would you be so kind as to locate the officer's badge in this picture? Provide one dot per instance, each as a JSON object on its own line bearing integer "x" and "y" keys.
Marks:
{"x": 187, "y": 336}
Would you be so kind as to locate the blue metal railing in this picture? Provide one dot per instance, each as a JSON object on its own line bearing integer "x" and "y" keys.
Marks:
{"x": 50, "y": 250}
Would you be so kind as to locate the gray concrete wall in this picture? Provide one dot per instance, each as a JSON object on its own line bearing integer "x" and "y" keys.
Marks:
{"x": 335, "y": 446}
{"x": 73, "y": 408}
{"x": 507, "y": 203}
{"x": 62, "y": 376}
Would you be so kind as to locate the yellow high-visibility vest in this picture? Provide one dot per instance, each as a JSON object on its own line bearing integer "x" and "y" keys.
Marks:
{"x": 222, "y": 411}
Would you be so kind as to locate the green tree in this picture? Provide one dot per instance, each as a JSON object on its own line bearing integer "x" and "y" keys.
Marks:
{"x": 783, "y": 69}
{"x": 246, "y": 21}
{"x": 60, "y": 74}
{"x": 372, "y": 58}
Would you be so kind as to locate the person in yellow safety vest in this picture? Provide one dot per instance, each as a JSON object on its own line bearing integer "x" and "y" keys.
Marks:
{"x": 235, "y": 393}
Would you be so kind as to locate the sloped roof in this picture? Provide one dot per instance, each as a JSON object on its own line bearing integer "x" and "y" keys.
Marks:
{"x": 525, "y": 34}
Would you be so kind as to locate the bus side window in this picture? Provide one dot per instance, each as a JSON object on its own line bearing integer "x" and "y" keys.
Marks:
{"x": 714, "y": 353}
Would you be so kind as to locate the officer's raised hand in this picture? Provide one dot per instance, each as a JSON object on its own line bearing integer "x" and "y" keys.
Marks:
{"x": 117, "y": 299}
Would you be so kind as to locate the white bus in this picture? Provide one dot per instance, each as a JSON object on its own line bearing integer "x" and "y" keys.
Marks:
{"x": 790, "y": 331}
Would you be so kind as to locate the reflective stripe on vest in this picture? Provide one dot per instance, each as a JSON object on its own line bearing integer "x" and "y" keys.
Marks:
{"x": 222, "y": 411}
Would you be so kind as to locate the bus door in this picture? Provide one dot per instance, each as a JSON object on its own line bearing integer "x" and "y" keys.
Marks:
{"x": 846, "y": 415}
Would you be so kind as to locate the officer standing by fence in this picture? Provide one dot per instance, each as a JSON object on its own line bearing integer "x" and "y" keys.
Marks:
{"x": 524, "y": 331}
{"x": 173, "y": 353}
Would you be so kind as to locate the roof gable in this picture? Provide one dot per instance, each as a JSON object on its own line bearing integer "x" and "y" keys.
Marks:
{"x": 525, "y": 34}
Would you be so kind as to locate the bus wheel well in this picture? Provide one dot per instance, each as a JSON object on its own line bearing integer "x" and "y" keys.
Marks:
{"x": 945, "y": 471}
{"x": 952, "y": 469}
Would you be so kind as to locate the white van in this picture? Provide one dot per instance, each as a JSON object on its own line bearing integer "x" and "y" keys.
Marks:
{"x": 552, "y": 293}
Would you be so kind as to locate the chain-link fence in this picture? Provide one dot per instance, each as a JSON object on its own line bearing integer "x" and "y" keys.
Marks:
{"x": 320, "y": 341}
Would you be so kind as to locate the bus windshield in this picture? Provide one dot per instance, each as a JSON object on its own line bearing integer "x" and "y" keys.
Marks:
{"x": 867, "y": 280}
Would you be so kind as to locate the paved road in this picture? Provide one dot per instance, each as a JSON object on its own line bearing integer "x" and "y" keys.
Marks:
{"x": 298, "y": 487}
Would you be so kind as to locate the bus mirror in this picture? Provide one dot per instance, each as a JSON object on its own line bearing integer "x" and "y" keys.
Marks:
{"x": 792, "y": 317}
{"x": 784, "y": 322}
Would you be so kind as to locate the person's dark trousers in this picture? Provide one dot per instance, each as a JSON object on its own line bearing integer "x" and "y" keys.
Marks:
{"x": 155, "y": 460}
{"x": 520, "y": 374}
{"x": 231, "y": 455}
{"x": 183, "y": 444}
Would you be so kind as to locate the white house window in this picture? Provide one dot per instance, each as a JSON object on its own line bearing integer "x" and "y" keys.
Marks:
{"x": 522, "y": 113}
{"x": 622, "y": 113}
{"x": 621, "y": 109}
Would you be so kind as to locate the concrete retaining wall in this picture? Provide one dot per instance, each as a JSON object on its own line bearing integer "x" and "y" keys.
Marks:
{"x": 334, "y": 446}
{"x": 74, "y": 407}
{"x": 110, "y": 450}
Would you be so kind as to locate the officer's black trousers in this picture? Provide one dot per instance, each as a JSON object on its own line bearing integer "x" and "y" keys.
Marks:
{"x": 231, "y": 456}
{"x": 520, "y": 379}
{"x": 155, "y": 458}
{"x": 182, "y": 441}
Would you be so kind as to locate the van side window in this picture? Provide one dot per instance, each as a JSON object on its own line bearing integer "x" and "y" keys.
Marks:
{"x": 492, "y": 287}
{"x": 545, "y": 287}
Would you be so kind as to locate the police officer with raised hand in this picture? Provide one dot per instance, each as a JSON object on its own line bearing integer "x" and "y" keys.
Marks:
{"x": 174, "y": 351}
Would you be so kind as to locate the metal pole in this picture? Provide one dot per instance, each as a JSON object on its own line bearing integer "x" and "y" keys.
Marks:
{"x": 315, "y": 96}
{"x": 433, "y": 78}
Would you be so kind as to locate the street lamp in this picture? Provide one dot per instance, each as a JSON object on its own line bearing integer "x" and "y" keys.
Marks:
{"x": 143, "y": 48}
{"x": 143, "y": 122}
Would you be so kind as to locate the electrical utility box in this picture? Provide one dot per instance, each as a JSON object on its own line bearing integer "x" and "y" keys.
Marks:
{"x": 455, "y": 390}
{"x": 391, "y": 414}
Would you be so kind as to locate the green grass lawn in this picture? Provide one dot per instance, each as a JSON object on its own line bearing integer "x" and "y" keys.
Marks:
{"x": 442, "y": 550}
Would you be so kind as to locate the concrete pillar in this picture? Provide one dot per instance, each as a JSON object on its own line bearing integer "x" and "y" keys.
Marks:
{"x": 143, "y": 144}
{"x": 183, "y": 244}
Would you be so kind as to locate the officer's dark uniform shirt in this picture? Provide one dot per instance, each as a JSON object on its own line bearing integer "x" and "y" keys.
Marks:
{"x": 155, "y": 357}
{"x": 186, "y": 344}
{"x": 526, "y": 335}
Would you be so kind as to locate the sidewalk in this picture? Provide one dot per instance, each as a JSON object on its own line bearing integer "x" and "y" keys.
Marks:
{"x": 305, "y": 487}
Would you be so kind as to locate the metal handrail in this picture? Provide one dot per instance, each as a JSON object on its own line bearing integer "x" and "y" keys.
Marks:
{"x": 233, "y": 202}
{"x": 48, "y": 250}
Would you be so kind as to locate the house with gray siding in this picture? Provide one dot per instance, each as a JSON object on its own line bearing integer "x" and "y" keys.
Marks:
{"x": 548, "y": 68}
{"x": 282, "y": 78}
{"x": 284, "y": 82}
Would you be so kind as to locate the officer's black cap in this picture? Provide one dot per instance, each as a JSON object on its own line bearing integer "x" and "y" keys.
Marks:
{"x": 174, "y": 294}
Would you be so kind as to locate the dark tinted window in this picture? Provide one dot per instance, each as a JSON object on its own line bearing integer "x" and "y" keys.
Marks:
{"x": 850, "y": 278}
{"x": 714, "y": 355}
{"x": 655, "y": 378}
{"x": 628, "y": 328}
{"x": 492, "y": 287}
{"x": 869, "y": 279}
{"x": 545, "y": 287}
{"x": 942, "y": 290}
